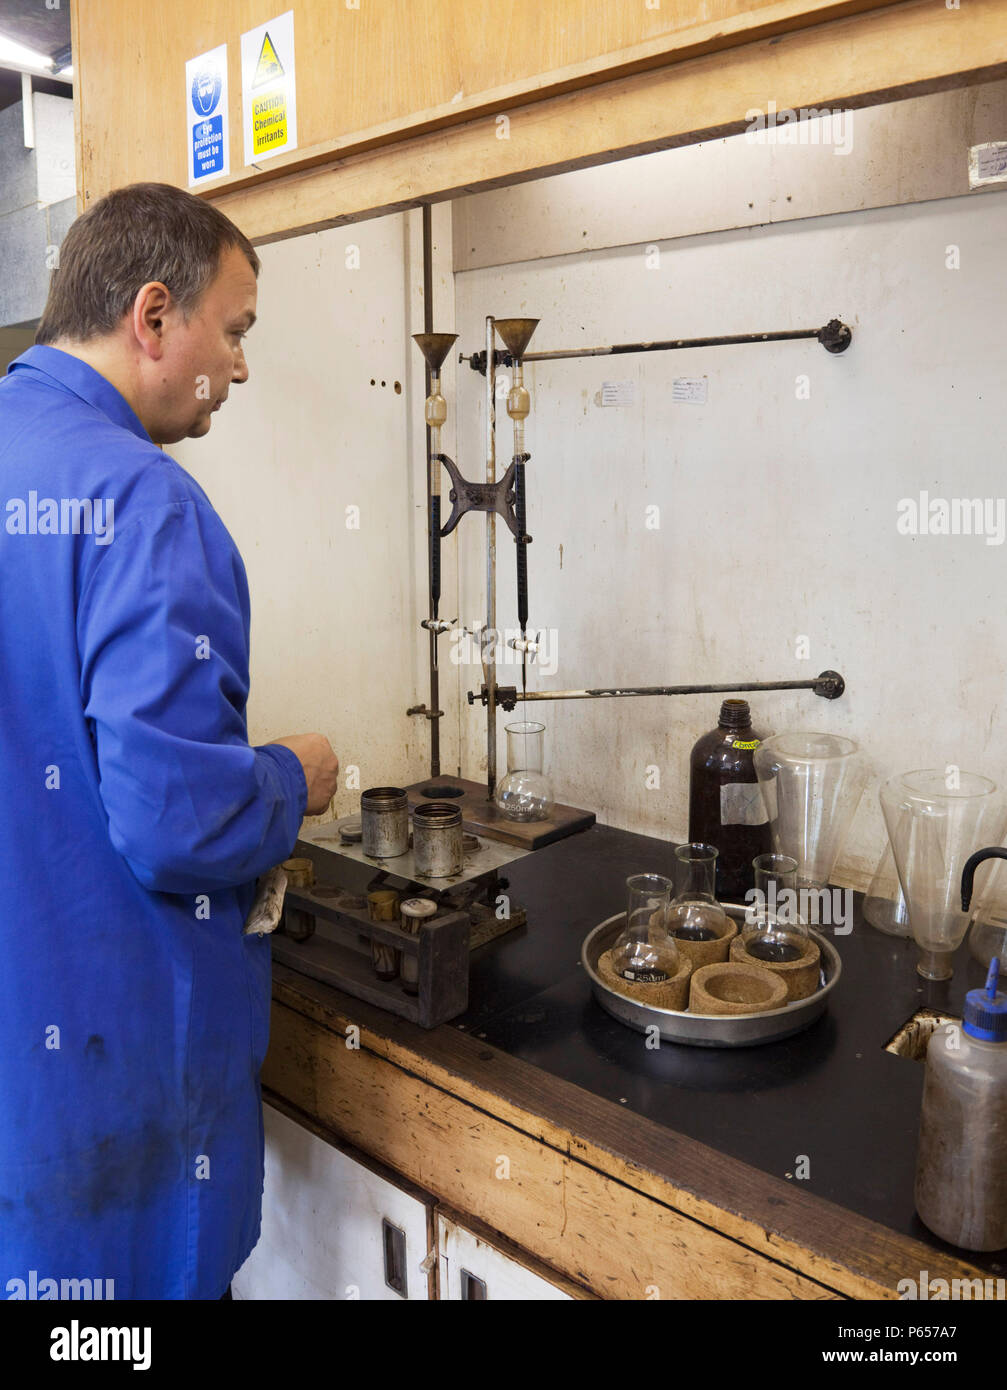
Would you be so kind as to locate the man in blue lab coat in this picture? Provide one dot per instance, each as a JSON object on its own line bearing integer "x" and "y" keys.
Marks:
{"x": 134, "y": 815}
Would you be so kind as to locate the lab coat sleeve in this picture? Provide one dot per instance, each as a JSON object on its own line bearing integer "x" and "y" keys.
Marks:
{"x": 162, "y": 631}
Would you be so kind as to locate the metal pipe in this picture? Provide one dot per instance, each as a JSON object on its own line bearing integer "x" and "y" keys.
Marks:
{"x": 835, "y": 337}
{"x": 489, "y": 636}
{"x": 433, "y": 520}
{"x": 670, "y": 345}
{"x": 829, "y": 684}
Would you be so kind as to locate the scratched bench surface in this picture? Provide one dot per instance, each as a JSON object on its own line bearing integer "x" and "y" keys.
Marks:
{"x": 832, "y": 1094}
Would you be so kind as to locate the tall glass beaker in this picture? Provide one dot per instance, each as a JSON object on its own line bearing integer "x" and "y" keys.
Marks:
{"x": 812, "y": 785}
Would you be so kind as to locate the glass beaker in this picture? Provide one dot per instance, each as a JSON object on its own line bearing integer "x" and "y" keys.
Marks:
{"x": 695, "y": 914}
{"x": 644, "y": 952}
{"x": 885, "y": 903}
{"x": 935, "y": 819}
{"x": 774, "y": 930}
{"x": 525, "y": 794}
{"x": 812, "y": 785}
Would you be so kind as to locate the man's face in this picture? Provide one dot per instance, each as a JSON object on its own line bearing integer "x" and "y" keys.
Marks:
{"x": 204, "y": 356}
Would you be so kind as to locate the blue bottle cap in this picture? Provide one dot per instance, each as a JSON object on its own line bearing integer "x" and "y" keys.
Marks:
{"x": 986, "y": 1010}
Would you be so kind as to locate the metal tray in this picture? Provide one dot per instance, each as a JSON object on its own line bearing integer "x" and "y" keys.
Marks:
{"x": 709, "y": 1030}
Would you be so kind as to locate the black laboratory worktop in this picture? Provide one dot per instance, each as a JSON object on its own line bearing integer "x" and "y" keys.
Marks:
{"x": 831, "y": 1093}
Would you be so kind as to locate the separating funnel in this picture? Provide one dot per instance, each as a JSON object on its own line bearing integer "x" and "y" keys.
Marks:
{"x": 811, "y": 785}
{"x": 936, "y": 818}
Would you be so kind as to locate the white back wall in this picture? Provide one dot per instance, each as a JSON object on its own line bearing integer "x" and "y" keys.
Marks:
{"x": 778, "y": 499}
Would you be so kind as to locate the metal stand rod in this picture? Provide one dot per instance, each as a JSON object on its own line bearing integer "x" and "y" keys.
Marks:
{"x": 489, "y": 636}
{"x": 433, "y": 512}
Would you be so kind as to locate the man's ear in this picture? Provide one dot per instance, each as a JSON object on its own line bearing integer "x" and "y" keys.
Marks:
{"x": 150, "y": 308}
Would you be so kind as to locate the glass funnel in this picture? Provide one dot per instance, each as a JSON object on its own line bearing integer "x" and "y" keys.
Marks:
{"x": 774, "y": 930}
{"x": 644, "y": 952}
{"x": 812, "y": 785}
{"x": 695, "y": 914}
{"x": 935, "y": 819}
{"x": 525, "y": 793}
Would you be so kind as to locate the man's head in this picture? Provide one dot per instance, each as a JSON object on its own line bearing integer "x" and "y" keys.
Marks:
{"x": 156, "y": 290}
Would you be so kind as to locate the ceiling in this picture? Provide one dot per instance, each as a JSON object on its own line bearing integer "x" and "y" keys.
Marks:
{"x": 31, "y": 23}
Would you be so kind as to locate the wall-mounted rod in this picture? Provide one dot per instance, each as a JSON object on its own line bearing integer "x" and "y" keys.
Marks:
{"x": 829, "y": 685}
{"x": 834, "y": 337}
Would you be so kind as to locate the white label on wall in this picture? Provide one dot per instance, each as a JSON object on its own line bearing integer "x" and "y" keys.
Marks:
{"x": 208, "y": 134}
{"x": 988, "y": 163}
{"x": 693, "y": 389}
{"x": 741, "y": 803}
{"x": 616, "y": 393}
{"x": 269, "y": 89}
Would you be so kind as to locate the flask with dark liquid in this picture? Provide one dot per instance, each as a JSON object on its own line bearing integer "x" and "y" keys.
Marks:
{"x": 774, "y": 931}
{"x": 726, "y": 808}
{"x": 694, "y": 913}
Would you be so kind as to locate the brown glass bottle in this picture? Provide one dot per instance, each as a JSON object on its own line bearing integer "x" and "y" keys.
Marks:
{"x": 725, "y": 805}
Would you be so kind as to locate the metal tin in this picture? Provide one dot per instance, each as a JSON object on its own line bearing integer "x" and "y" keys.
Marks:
{"x": 709, "y": 1030}
{"x": 437, "y": 840}
{"x": 384, "y": 822}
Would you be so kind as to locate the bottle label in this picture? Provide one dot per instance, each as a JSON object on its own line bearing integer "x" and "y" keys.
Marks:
{"x": 741, "y": 803}
{"x": 746, "y": 743}
{"x": 645, "y": 977}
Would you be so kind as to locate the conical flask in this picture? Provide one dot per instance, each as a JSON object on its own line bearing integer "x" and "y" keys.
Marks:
{"x": 885, "y": 903}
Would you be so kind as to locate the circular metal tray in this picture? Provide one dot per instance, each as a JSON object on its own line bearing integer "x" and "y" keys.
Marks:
{"x": 709, "y": 1030}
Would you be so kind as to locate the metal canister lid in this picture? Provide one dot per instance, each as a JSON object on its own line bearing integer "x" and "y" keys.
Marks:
{"x": 418, "y": 908}
{"x": 351, "y": 833}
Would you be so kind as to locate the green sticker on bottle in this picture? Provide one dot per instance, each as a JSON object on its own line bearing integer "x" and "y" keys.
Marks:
{"x": 748, "y": 743}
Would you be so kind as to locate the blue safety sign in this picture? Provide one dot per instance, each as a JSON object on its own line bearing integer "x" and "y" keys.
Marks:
{"x": 207, "y": 115}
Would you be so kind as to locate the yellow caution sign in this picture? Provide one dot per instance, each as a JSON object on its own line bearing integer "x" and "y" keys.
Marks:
{"x": 269, "y": 122}
{"x": 269, "y": 89}
{"x": 269, "y": 66}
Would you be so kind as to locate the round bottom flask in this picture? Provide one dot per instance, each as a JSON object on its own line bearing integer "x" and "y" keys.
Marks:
{"x": 525, "y": 794}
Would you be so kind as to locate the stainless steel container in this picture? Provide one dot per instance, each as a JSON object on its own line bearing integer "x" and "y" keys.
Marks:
{"x": 384, "y": 822}
{"x": 437, "y": 840}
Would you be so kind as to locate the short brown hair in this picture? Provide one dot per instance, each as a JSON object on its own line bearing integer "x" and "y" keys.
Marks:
{"x": 132, "y": 236}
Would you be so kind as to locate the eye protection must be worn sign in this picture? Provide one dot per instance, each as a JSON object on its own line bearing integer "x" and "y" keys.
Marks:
{"x": 206, "y": 116}
{"x": 269, "y": 89}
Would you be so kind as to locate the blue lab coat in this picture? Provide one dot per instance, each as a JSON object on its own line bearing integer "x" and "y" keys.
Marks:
{"x": 134, "y": 819}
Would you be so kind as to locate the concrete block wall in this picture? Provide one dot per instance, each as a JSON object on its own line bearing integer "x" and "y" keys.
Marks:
{"x": 37, "y": 203}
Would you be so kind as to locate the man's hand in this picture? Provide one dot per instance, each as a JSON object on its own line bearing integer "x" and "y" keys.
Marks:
{"x": 321, "y": 768}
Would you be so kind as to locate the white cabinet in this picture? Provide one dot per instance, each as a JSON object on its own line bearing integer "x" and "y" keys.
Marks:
{"x": 478, "y": 1267}
{"x": 332, "y": 1227}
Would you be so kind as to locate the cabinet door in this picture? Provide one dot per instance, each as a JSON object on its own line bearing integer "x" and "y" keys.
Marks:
{"x": 476, "y": 1267}
{"x": 332, "y": 1228}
